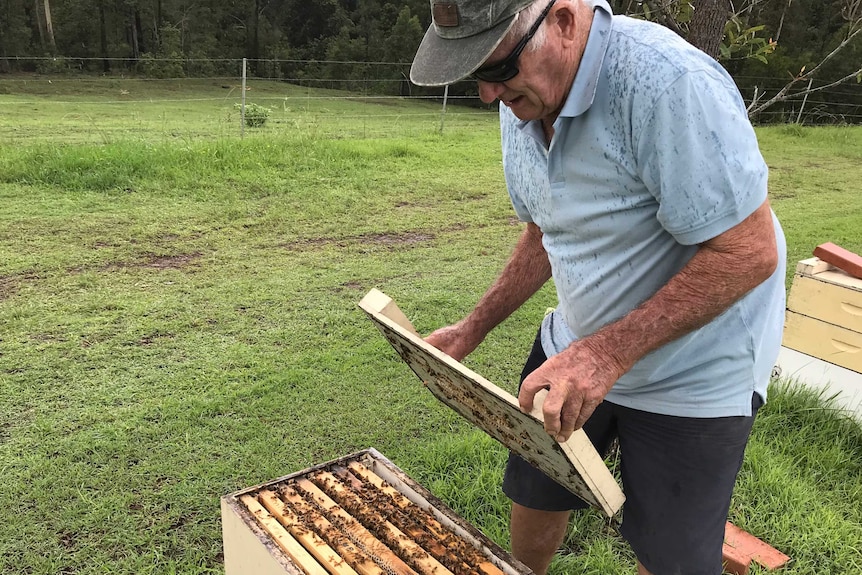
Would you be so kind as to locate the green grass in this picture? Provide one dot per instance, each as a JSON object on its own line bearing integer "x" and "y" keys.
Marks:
{"x": 813, "y": 176}
{"x": 81, "y": 110}
{"x": 178, "y": 320}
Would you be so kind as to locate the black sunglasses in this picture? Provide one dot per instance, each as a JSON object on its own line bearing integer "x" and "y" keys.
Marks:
{"x": 507, "y": 68}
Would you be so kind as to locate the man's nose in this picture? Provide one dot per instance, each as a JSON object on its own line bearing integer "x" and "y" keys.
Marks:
{"x": 489, "y": 91}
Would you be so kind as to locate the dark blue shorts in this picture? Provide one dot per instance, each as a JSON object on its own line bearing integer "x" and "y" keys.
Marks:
{"x": 678, "y": 475}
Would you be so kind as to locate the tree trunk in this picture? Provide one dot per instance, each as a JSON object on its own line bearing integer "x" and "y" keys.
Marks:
{"x": 254, "y": 53}
{"x": 134, "y": 41}
{"x": 707, "y": 24}
{"x": 138, "y": 25}
{"x": 103, "y": 39}
{"x": 37, "y": 10}
{"x": 157, "y": 25}
{"x": 49, "y": 27}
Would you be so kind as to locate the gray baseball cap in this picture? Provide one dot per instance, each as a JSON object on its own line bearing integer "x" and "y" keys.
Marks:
{"x": 461, "y": 37}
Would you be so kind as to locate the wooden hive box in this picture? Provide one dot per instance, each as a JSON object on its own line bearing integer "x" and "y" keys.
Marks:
{"x": 356, "y": 515}
{"x": 824, "y": 314}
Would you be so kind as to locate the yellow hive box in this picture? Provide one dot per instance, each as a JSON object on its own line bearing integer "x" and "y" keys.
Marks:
{"x": 824, "y": 314}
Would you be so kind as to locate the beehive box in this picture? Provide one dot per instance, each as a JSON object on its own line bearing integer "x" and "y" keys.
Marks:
{"x": 824, "y": 314}
{"x": 356, "y": 515}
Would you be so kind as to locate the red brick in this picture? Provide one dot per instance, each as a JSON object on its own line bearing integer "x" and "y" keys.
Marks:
{"x": 735, "y": 561}
{"x": 840, "y": 258}
{"x": 748, "y": 545}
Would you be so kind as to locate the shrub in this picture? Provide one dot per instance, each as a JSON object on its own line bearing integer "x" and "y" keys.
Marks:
{"x": 255, "y": 114}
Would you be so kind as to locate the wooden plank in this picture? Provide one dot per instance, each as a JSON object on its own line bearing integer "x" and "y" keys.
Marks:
{"x": 827, "y": 302}
{"x": 823, "y": 340}
{"x": 574, "y": 464}
{"x": 472, "y": 542}
{"x": 374, "y": 479}
{"x": 841, "y": 258}
{"x": 349, "y": 523}
{"x": 436, "y": 529}
{"x": 282, "y": 538}
{"x": 813, "y": 266}
{"x": 312, "y": 542}
{"x": 384, "y": 305}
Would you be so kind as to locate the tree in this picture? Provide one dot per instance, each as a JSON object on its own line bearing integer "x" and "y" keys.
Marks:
{"x": 307, "y": 22}
{"x": 712, "y": 26}
{"x": 708, "y": 24}
{"x": 404, "y": 36}
{"x": 15, "y": 34}
{"x": 850, "y": 35}
{"x": 49, "y": 27}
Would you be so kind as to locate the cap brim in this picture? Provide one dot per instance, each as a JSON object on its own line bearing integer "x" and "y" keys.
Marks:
{"x": 439, "y": 61}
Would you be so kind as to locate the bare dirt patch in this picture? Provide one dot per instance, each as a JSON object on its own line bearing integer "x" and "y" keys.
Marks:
{"x": 10, "y": 284}
{"x": 159, "y": 262}
{"x": 402, "y": 238}
{"x": 8, "y": 287}
{"x": 782, "y": 195}
{"x": 172, "y": 262}
{"x": 386, "y": 239}
{"x": 154, "y": 338}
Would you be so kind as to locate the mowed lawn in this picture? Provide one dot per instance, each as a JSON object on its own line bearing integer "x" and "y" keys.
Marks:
{"x": 178, "y": 320}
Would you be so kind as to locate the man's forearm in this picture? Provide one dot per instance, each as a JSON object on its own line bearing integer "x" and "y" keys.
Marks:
{"x": 526, "y": 271}
{"x": 718, "y": 275}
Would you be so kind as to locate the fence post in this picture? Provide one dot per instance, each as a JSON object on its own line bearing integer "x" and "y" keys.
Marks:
{"x": 443, "y": 113}
{"x": 242, "y": 106}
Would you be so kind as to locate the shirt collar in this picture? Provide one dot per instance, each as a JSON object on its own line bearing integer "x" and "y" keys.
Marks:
{"x": 583, "y": 90}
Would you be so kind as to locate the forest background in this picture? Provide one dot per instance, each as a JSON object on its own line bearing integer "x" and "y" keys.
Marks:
{"x": 367, "y": 45}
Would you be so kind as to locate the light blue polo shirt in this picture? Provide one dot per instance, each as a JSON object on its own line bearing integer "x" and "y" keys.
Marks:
{"x": 653, "y": 153}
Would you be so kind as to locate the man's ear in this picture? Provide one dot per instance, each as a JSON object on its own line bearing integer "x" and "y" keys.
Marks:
{"x": 567, "y": 17}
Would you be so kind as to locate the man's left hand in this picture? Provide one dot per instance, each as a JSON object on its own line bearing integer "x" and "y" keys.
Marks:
{"x": 577, "y": 381}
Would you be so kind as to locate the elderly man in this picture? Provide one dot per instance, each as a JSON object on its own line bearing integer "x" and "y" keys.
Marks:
{"x": 629, "y": 155}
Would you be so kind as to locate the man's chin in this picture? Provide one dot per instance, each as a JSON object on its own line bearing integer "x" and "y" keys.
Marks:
{"x": 521, "y": 108}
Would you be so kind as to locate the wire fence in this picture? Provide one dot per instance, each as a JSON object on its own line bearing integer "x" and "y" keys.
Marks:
{"x": 62, "y": 99}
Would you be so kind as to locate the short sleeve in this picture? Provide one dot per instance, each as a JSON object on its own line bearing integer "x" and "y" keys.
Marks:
{"x": 698, "y": 156}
